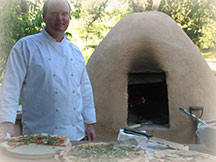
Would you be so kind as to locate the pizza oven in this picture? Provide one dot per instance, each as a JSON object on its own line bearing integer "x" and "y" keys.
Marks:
{"x": 141, "y": 73}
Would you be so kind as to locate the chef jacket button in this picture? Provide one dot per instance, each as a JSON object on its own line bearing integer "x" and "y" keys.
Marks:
{"x": 49, "y": 59}
{"x": 56, "y": 92}
{"x": 71, "y": 59}
{"x": 72, "y": 75}
{"x": 56, "y": 127}
{"x": 56, "y": 110}
{"x": 54, "y": 75}
{"x": 74, "y": 108}
{"x": 73, "y": 91}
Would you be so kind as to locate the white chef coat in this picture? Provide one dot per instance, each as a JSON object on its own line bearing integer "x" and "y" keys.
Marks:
{"x": 53, "y": 83}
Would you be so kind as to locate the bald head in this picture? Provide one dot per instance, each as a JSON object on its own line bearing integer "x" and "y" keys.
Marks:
{"x": 45, "y": 6}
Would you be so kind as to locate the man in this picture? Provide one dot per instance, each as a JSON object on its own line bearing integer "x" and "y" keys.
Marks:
{"x": 49, "y": 74}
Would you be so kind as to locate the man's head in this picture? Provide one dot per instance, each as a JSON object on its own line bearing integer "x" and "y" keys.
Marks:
{"x": 56, "y": 15}
{"x": 45, "y": 6}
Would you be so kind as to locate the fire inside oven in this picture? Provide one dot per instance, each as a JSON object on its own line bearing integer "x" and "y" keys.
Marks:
{"x": 147, "y": 99}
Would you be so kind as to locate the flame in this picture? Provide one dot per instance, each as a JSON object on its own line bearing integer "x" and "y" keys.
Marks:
{"x": 143, "y": 100}
{"x": 140, "y": 100}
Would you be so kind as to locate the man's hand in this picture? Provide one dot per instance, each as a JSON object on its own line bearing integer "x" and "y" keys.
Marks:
{"x": 6, "y": 128}
{"x": 91, "y": 135}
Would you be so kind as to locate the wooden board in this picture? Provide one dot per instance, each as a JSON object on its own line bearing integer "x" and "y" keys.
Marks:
{"x": 169, "y": 144}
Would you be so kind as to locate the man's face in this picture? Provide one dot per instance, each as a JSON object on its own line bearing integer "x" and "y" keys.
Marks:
{"x": 57, "y": 16}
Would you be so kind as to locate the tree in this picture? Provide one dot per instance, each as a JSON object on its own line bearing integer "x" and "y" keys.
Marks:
{"x": 196, "y": 17}
{"x": 88, "y": 24}
{"x": 19, "y": 18}
{"x": 92, "y": 20}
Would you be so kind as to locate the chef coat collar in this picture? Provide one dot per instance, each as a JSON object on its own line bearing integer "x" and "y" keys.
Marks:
{"x": 49, "y": 37}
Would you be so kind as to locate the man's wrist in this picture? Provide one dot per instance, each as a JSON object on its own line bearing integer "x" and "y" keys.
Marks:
{"x": 91, "y": 124}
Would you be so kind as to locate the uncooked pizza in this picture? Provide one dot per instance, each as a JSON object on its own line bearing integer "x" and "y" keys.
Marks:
{"x": 104, "y": 152}
{"x": 39, "y": 139}
{"x": 181, "y": 156}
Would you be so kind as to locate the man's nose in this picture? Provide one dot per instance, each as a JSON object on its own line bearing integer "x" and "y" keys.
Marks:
{"x": 60, "y": 16}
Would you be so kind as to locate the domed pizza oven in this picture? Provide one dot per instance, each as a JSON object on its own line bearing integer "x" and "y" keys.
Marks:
{"x": 143, "y": 71}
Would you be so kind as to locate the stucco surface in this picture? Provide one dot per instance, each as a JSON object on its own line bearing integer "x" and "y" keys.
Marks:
{"x": 145, "y": 42}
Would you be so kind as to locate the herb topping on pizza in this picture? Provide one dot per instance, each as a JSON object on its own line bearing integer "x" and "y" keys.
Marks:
{"x": 107, "y": 152}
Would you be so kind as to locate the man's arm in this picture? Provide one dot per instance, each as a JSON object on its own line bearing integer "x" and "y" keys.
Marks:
{"x": 88, "y": 113}
{"x": 15, "y": 71}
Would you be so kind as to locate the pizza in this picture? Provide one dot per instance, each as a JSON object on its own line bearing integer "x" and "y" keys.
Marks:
{"x": 38, "y": 139}
{"x": 181, "y": 156}
{"x": 106, "y": 152}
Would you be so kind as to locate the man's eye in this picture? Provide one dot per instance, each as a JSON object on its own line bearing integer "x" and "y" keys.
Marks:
{"x": 65, "y": 14}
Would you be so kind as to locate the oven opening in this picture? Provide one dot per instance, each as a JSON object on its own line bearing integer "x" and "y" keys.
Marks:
{"x": 148, "y": 100}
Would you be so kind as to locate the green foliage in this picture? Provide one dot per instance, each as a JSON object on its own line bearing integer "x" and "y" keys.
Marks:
{"x": 139, "y": 6}
{"x": 90, "y": 23}
{"x": 19, "y": 18}
{"x": 76, "y": 8}
{"x": 6, "y": 40}
{"x": 196, "y": 17}
{"x": 94, "y": 21}
{"x": 87, "y": 24}
{"x": 28, "y": 20}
